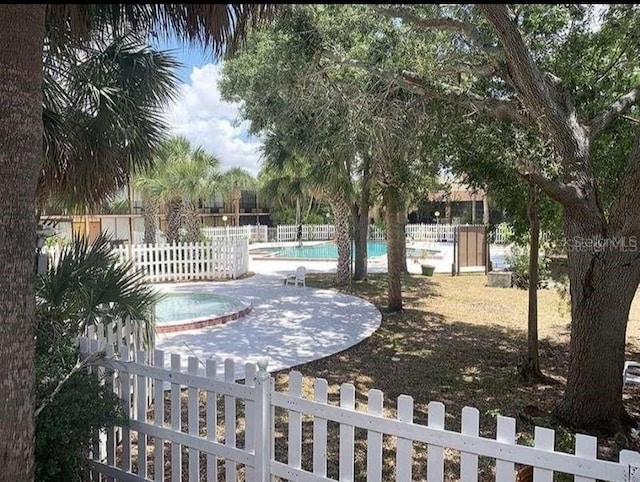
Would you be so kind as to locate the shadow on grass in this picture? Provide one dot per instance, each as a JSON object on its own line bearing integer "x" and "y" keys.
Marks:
{"x": 423, "y": 354}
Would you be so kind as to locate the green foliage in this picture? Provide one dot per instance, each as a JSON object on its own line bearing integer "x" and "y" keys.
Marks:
{"x": 102, "y": 115}
{"x": 281, "y": 215}
{"x": 55, "y": 240}
{"x": 337, "y": 125}
{"x": 186, "y": 172}
{"x": 90, "y": 285}
{"x": 486, "y": 153}
{"x": 87, "y": 286}
{"x": 380, "y": 224}
{"x": 116, "y": 205}
{"x": 183, "y": 175}
{"x": 518, "y": 262}
{"x": 68, "y": 425}
{"x": 314, "y": 217}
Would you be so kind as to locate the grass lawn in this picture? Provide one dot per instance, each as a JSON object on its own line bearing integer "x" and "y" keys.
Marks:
{"x": 459, "y": 342}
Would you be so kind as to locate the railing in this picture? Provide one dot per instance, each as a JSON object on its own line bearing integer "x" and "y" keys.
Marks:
{"x": 220, "y": 446}
{"x": 253, "y": 232}
{"x": 218, "y": 259}
{"x": 415, "y": 232}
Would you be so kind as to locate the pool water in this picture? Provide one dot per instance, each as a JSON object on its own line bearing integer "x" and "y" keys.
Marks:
{"x": 329, "y": 251}
{"x": 179, "y": 307}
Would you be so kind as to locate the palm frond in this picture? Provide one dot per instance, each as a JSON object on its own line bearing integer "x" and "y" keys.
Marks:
{"x": 88, "y": 286}
{"x": 221, "y": 27}
{"x": 103, "y": 117}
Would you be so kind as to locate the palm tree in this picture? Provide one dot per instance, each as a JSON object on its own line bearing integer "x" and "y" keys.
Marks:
{"x": 233, "y": 182}
{"x": 150, "y": 187}
{"x": 194, "y": 177}
{"x": 180, "y": 177}
{"x": 87, "y": 286}
{"x": 23, "y": 30}
{"x": 321, "y": 176}
{"x": 283, "y": 186}
{"x": 102, "y": 117}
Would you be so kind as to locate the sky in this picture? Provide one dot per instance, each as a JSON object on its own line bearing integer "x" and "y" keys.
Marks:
{"x": 200, "y": 115}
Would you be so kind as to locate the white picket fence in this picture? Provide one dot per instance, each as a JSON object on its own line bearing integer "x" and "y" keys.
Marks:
{"x": 220, "y": 447}
{"x": 54, "y": 253}
{"x": 310, "y": 232}
{"x": 119, "y": 333}
{"x": 415, "y": 232}
{"x": 217, "y": 259}
{"x": 252, "y": 232}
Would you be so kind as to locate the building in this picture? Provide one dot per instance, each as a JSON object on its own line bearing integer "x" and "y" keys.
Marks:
{"x": 457, "y": 203}
{"x": 125, "y": 226}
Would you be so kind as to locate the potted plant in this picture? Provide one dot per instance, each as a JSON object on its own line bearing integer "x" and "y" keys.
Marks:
{"x": 427, "y": 269}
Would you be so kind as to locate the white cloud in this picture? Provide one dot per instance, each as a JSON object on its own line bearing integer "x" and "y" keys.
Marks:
{"x": 205, "y": 119}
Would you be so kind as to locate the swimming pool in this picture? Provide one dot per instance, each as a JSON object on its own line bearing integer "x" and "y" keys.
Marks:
{"x": 329, "y": 251}
{"x": 192, "y": 310}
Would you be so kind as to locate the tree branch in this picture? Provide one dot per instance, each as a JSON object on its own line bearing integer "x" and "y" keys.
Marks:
{"x": 441, "y": 23}
{"x": 499, "y": 109}
{"x": 481, "y": 70}
{"x": 556, "y": 190}
{"x": 615, "y": 110}
{"x": 541, "y": 94}
{"x": 496, "y": 108}
{"x": 77, "y": 367}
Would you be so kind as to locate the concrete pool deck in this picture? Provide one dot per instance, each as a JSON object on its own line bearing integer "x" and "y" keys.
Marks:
{"x": 288, "y": 325}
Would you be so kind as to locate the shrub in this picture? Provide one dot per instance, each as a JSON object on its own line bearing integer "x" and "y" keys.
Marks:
{"x": 87, "y": 286}
{"x": 518, "y": 262}
{"x": 70, "y": 423}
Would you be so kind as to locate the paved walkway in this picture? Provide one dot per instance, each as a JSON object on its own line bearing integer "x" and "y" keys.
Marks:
{"x": 288, "y": 325}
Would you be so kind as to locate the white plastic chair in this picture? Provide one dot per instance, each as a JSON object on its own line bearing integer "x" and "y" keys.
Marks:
{"x": 297, "y": 278}
{"x": 631, "y": 373}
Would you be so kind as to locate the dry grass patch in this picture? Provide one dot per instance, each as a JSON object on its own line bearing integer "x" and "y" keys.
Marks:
{"x": 459, "y": 342}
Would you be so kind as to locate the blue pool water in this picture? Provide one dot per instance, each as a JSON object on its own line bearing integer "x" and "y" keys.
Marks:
{"x": 330, "y": 251}
{"x": 175, "y": 307}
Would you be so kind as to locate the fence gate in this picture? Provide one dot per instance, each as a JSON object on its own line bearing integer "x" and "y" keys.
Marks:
{"x": 470, "y": 248}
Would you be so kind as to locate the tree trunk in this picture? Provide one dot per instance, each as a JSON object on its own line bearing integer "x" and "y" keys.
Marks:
{"x": 393, "y": 207}
{"x": 150, "y": 209}
{"x": 21, "y": 44}
{"x": 341, "y": 219}
{"x": 473, "y": 208}
{"x": 192, "y": 224}
{"x": 402, "y": 221}
{"x": 603, "y": 283}
{"x": 530, "y": 368}
{"x": 360, "y": 237}
{"x": 236, "y": 205}
{"x": 174, "y": 220}
{"x": 485, "y": 209}
{"x": 361, "y": 223}
{"x": 298, "y": 211}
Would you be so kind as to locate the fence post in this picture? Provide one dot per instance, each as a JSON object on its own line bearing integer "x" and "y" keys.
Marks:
{"x": 632, "y": 459}
{"x": 262, "y": 432}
